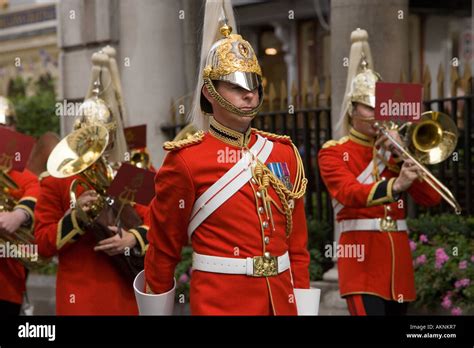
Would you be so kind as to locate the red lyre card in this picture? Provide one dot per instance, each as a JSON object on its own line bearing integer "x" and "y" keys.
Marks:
{"x": 136, "y": 137}
{"x": 133, "y": 184}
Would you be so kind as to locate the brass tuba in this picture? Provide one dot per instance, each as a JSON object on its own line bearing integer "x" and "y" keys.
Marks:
{"x": 429, "y": 141}
{"x": 82, "y": 153}
{"x": 23, "y": 236}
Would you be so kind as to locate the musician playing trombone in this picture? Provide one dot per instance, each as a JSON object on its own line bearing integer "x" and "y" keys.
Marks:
{"x": 365, "y": 177}
{"x": 12, "y": 271}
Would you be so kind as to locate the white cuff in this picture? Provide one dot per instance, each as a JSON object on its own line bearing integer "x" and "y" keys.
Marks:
{"x": 307, "y": 301}
{"x": 153, "y": 304}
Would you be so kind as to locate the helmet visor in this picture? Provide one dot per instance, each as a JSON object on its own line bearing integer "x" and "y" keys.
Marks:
{"x": 246, "y": 80}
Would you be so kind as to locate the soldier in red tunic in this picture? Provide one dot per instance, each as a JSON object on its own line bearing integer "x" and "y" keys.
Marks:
{"x": 88, "y": 281}
{"x": 365, "y": 178}
{"x": 236, "y": 194}
{"x": 12, "y": 272}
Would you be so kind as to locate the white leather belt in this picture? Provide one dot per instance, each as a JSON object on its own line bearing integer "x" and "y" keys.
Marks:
{"x": 371, "y": 225}
{"x": 257, "y": 266}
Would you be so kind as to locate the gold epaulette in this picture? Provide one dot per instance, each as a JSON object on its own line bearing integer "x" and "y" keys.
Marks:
{"x": 43, "y": 175}
{"x": 333, "y": 142}
{"x": 196, "y": 138}
{"x": 281, "y": 138}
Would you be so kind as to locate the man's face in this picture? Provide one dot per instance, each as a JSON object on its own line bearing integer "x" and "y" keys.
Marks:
{"x": 240, "y": 97}
{"x": 363, "y": 120}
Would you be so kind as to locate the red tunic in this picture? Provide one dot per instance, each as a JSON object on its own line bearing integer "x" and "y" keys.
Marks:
{"x": 387, "y": 268}
{"x": 12, "y": 272}
{"x": 234, "y": 230}
{"x": 87, "y": 283}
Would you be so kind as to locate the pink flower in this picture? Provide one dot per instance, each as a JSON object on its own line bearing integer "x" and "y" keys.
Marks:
{"x": 456, "y": 311}
{"x": 183, "y": 278}
{"x": 423, "y": 238}
{"x": 412, "y": 245}
{"x": 420, "y": 260}
{"x": 441, "y": 258}
{"x": 463, "y": 264}
{"x": 462, "y": 283}
{"x": 446, "y": 304}
{"x": 472, "y": 258}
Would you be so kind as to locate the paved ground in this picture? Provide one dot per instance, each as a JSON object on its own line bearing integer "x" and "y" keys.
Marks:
{"x": 41, "y": 291}
{"x": 42, "y": 296}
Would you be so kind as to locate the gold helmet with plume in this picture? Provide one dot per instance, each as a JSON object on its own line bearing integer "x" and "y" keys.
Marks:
{"x": 363, "y": 85}
{"x": 361, "y": 78}
{"x": 95, "y": 110}
{"x": 227, "y": 57}
{"x": 102, "y": 106}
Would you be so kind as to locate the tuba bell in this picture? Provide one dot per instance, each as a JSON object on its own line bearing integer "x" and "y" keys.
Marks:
{"x": 81, "y": 153}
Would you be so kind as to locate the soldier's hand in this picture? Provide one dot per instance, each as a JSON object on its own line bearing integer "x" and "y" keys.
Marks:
{"x": 408, "y": 173}
{"x": 11, "y": 221}
{"x": 86, "y": 199}
{"x": 388, "y": 144}
{"x": 116, "y": 245}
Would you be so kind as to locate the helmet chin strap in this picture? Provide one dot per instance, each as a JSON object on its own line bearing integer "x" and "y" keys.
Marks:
{"x": 228, "y": 105}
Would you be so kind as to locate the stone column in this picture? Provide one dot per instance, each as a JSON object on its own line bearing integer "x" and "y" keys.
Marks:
{"x": 153, "y": 63}
{"x": 83, "y": 28}
{"x": 156, "y": 56}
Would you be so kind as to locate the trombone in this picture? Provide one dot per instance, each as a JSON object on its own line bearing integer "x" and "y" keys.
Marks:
{"x": 431, "y": 140}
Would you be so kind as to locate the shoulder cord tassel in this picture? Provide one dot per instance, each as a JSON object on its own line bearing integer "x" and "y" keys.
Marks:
{"x": 265, "y": 177}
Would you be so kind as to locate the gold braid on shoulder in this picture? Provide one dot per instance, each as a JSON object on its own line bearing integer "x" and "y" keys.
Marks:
{"x": 265, "y": 177}
{"x": 273, "y": 135}
{"x": 179, "y": 144}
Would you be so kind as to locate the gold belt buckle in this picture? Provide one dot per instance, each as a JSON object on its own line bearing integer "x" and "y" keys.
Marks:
{"x": 388, "y": 225}
{"x": 265, "y": 266}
